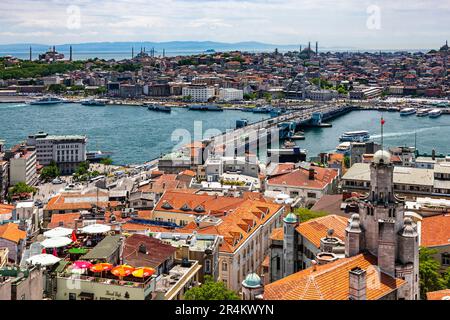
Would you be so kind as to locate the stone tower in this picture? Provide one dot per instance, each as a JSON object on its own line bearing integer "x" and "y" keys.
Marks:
{"x": 290, "y": 241}
{"x": 382, "y": 229}
{"x": 252, "y": 287}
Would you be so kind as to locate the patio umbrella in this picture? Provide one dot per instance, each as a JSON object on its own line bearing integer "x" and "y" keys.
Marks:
{"x": 55, "y": 253}
{"x": 143, "y": 272}
{"x": 56, "y": 242}
{"x": 43, "y": 260}
{"x": 58, "y": 232}
{"x": 96, "y": 228}
{"x": 122, "y": 271}
{"x": 100, "y": 267}
{"x": 82, "y": 264}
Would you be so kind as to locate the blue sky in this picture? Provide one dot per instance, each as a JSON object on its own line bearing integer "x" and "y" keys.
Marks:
{"x": 399, "y": 24}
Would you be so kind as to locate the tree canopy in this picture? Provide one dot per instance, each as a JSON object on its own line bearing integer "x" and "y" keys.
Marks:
{"x": 211, "y": 290}
{"x": 430, "y": 278}
{"x": 21, "y": 187}
{"x": 50, "y": 172}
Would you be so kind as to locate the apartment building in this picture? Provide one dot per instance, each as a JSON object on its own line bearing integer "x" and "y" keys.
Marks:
{"x": 230, "y": 94}
{"x": 198, "y": 93}
{"x": 22, "y": 167}
{"x": 66, "y": 151}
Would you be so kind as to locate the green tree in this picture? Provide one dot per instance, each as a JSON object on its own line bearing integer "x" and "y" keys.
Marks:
{"x": 211, "y": 290}
{"x": 347, "y": 162}
{"x": 305, "y": 214}
{"x": 50, "y": 172}
{"x": 21, "y": 187}
{"x": 430, "y": 278}
{"x": 57, "y": 88}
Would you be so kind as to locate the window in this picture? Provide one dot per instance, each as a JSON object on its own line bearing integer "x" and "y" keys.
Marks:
{"x": 311, "y": 195}
{"x": 72, "y": 296}
{"x": 207, "y": 266}
{"x": 446, "y": 259}
{"x": 224, "y": 266}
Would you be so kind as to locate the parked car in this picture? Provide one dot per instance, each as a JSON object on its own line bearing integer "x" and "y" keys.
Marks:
{"x": 57, "y": 181}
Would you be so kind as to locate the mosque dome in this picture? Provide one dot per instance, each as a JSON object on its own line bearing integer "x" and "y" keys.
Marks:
{"x": 290, "y": 218}
{"x": 252, "y": 281}
{"x": 382, "y": 157}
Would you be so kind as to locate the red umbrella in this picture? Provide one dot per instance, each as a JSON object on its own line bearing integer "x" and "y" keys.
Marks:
{"x": 74, "y": 236}
{"x": 55, "y": 253}
{"x": 82, "y": 264}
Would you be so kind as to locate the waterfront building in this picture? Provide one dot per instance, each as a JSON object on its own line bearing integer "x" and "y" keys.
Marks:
{"x": 22, "y": 166}
{"x": 306, "y": 183}
{"x": 198, "y": 93}
{"x": 230, "y": 94}
{"x": 66, "y": 151}
{"x": 216, "y": 167}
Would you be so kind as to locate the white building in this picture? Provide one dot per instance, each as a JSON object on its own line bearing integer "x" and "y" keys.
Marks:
{"x": 230, "y": 94}
{"x": 198, "y": 93}
{"x": 22, "y": 168}
{"x": 67, "y": 151}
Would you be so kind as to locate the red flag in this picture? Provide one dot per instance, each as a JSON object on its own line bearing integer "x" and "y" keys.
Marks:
{"x": 44, "y": 251}
{"x": 382, "y": 121}
{"x": 74, "y": 236}
{"x": 54, "y": 252}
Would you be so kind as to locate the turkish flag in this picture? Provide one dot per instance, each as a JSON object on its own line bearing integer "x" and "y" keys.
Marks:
{"x": 74, "y": 236}
{"x": 382, "y": 121}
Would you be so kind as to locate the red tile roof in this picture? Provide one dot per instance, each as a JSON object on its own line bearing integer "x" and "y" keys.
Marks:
{"x": 331, "y": 281}
{"x": 11, "y": 232}
{"x": 67, "y": 220}
{"x": 315, "y": 229}
{"x": 435, "y": 231}
{"x": 300, "y": 178}
{"x": 439, "y": 295}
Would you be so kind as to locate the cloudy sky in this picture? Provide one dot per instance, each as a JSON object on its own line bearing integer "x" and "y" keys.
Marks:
{"x": 382, "y": 24}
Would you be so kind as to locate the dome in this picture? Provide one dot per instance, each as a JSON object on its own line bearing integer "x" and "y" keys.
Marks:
{"x": 252, "y": 281}
{"x": 382, "y": 157}
{"x": 290, "y": 218}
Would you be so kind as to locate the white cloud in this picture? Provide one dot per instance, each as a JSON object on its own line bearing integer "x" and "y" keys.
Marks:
{"x": 404, "y": 23}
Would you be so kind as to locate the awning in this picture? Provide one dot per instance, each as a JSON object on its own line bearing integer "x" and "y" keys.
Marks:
{"x": 96, "y": 228}
{"x": 58, "y": 232}
{"x": 57, "y": 242}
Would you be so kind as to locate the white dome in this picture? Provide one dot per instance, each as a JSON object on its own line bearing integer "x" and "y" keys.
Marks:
{"x": 382, "y": 156}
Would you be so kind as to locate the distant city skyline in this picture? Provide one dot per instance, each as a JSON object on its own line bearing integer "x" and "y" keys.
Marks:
{"x": 361, "y": 24}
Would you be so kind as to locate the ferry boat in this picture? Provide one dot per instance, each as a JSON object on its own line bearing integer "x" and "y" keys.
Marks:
{"x": 205, "y": 108}
{"x": 355, "y": 136}
{"x": 47, "y": 101}
{"x": 344, "y": 148}
{"x": 407, "y": 111}
{"x": 265, "y": 109}
{"x": 97, "y": 156}
{"x": 153, "y": 107}
{"x": 423, "y": 112}
{"x": 94, "y": 103}
{"x": 289, "y": 144}
{"x": 435, "y": 113}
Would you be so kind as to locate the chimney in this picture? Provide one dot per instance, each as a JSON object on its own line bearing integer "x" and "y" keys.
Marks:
{"x": 433, "y": 154}
{"x": 185, "y": 252}
{"x": 311, "y": 174}
{"x": 357, "y": 284}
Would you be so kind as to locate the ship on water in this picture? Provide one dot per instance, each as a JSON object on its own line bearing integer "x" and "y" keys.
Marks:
{"x": 156, "y": 107}
{"x": 407, "y": 111}
{"x": 355, "y": 136}
{"x": 47, "y": 101}
{"x": 435, "y": 113}
{"x": 94, "y": 102}
{"x": 423, "y": 112}
{"x": 265, "y": 109}
{"x": 205, "y": 108}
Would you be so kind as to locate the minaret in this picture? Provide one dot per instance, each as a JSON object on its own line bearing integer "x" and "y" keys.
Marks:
{"x": 132, "y": 52}
{"x": 317, "y": 47}
{"x": 54, "y": 49}
{"x": 71, "y": 54}
{"x": 289, "y": 264}
{"x": 164, "y": 53}
{"x": 31, "y": 54}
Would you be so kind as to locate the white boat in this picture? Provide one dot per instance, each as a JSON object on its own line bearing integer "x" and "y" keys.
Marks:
{"x": 435, "y": 113}
{"x": 344, "y": 148}
{"x": 407, "y": 111}
{"x": 47, "y": 101}
{"x": 355, "y": 136}
{"x": 423, "y": 112}
{"x": 94, "y": 102}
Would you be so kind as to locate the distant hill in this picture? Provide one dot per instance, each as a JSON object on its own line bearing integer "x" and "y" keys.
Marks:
{"x": 172, "y": 46}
